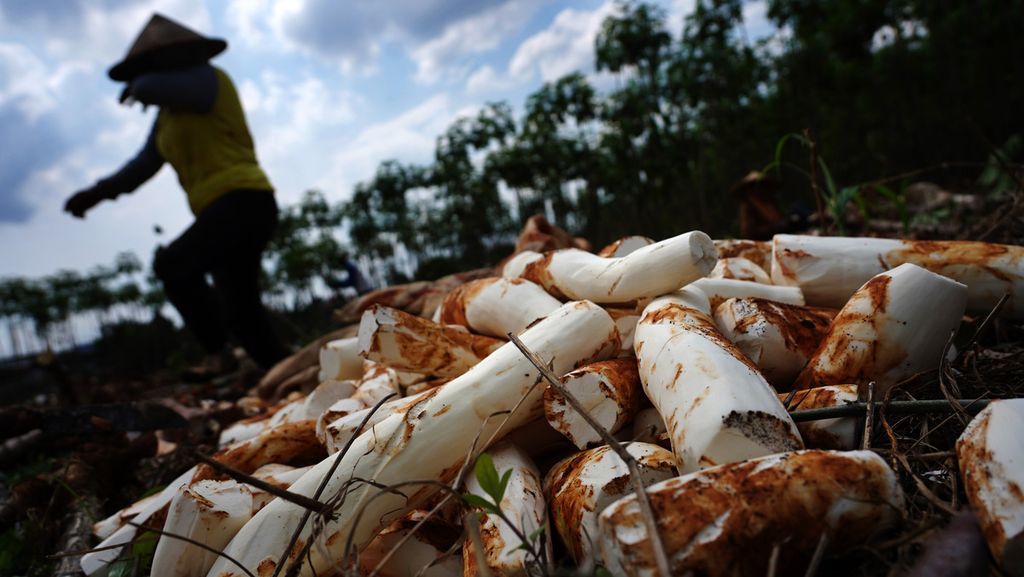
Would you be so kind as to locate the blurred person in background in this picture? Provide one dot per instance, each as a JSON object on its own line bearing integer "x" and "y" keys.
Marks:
{"x": 201, "y": 131}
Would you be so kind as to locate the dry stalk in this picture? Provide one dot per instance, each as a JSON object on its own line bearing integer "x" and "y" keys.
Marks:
{"x": 190, "y": 541}
{"x": 300, "y": 500}
{"x": 661, "y": 558}
{"x": 918, "y": 407}
{"x": 902, "y": 459}
{"x": 869, "y": 417}
{"x": 472, "y": 523}
{"x": 453, "y": 487}
{"x": 947, "y": 382}
{"x": 316, "y": 496}
{"x": 451, "y": 551}
{"x": 466, "y": 464}
{"x": 819, "y": 554}
{"x": 773, "y": 560}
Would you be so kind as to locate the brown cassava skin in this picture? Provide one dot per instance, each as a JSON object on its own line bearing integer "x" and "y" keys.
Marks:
{"x": 421, "y": 346}
{"x": 579, "y": 487}
{"x": 830, "y": 269}
{"x": 758, "y": 252}
{"x": 888, "y": 330}
{"x": 617, "y": 387}
{"x": 726, "y": 520}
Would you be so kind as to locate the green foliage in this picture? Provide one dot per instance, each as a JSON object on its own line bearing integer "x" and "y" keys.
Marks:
{"x": 138, "y": 558}
{"x": 494, "y": 485}
{"x": 491, "y": 482}
{"x": 997, "y": 177}
{"x": 305, "y": 248}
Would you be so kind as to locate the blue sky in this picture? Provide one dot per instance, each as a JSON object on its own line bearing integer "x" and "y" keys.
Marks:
{"x": 331, "y": 89}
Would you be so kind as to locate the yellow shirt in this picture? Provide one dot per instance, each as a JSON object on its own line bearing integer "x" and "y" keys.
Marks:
{"x": 212, "y": 153}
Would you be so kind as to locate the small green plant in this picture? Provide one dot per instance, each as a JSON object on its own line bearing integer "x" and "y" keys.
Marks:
{"x": 835, "y": 199}
{"x": 998, "y": 175}
{"x": 495, "y": 485}
{"x": 138, "y": 559}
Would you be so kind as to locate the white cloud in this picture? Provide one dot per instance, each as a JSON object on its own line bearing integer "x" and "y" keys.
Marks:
{"x": 24, "y": 81}
{"x": 450, "y": 53}
{"x": 408, "y": 137}
{"x": 289, "y": 116}
{"x": 486, "y": 80}
{"x": 95, "y": 32}
{"x": 565, "y": 46}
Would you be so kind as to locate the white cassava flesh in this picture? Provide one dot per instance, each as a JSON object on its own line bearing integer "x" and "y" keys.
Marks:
{"x": 581, "y": 486}
{"x": 646, "y": 272}
{"x": 625, "y": 320}
{"x": 720, "y": 290}
{"x": 839, "y": 433}
{"x": 725, "y": 521}
{"x": 830, "y": 269}
{"x": 624, "y": 246}
{"x": 991, "y": 456}
{"x": 429, "y": 441}
{"x": 340, "y": 360}
{"x": 608, "y": 390}
{"x": 425, "y": 547}
{"x": 378, "y": 382}
{"x": 497, "y": 306}
{"x": 410, "y": 343}
{"x": 209, "y": 512}
{"x": 716, "y": 405}
{"x": 758, "y": 252}
{"x": 338, "y": 432}
{"x": 515, "y": 266}
{"x": 523, "y": 504}
{"x": 893, "y": 327}
{"x": 739, "y": 268}
{"x": 779, "y": 338}
{"x": 340, "y": 409}
{"x": 102, "y": 557}
{"x": 314, "y": 404}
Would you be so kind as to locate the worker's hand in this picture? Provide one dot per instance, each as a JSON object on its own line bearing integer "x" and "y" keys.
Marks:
{"x": 83, "y": 200}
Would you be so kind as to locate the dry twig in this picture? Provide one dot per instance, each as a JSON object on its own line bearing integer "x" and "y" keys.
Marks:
{"x": 661, "y": 558}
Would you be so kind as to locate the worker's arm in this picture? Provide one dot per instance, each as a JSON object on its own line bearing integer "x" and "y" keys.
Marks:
{"x": 135, "y": 172}
{"x": 191, "y": 89}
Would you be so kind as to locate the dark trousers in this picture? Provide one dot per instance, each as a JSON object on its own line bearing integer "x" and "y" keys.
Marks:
{"x": 226, "y": 241}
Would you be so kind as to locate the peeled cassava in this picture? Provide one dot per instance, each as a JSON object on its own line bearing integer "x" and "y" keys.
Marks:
{"x": 716, "y": 405}
{"x": 429, "y": 441}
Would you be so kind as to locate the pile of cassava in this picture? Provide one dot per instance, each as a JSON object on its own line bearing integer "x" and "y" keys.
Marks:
{"x": 681, "y": 407}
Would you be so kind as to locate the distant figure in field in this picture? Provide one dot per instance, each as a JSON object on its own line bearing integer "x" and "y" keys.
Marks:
{"x": 201, "y": 131}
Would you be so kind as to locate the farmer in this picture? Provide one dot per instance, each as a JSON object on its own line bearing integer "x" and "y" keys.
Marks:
{"x": 201, "y": 131}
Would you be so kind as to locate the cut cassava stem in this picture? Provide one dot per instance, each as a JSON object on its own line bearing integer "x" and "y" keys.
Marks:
{"x": 661, "y": 558}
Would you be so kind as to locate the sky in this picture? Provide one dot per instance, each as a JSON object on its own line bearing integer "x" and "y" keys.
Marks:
{"x": 331, "y": 89}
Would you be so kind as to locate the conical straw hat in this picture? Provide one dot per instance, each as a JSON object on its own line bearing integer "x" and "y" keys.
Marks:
{"x": 162, "y": 42}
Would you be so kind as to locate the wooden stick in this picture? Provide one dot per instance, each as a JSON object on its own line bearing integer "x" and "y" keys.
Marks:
{"x": 922, "y": 407}
{"x": 660, "y": 557}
